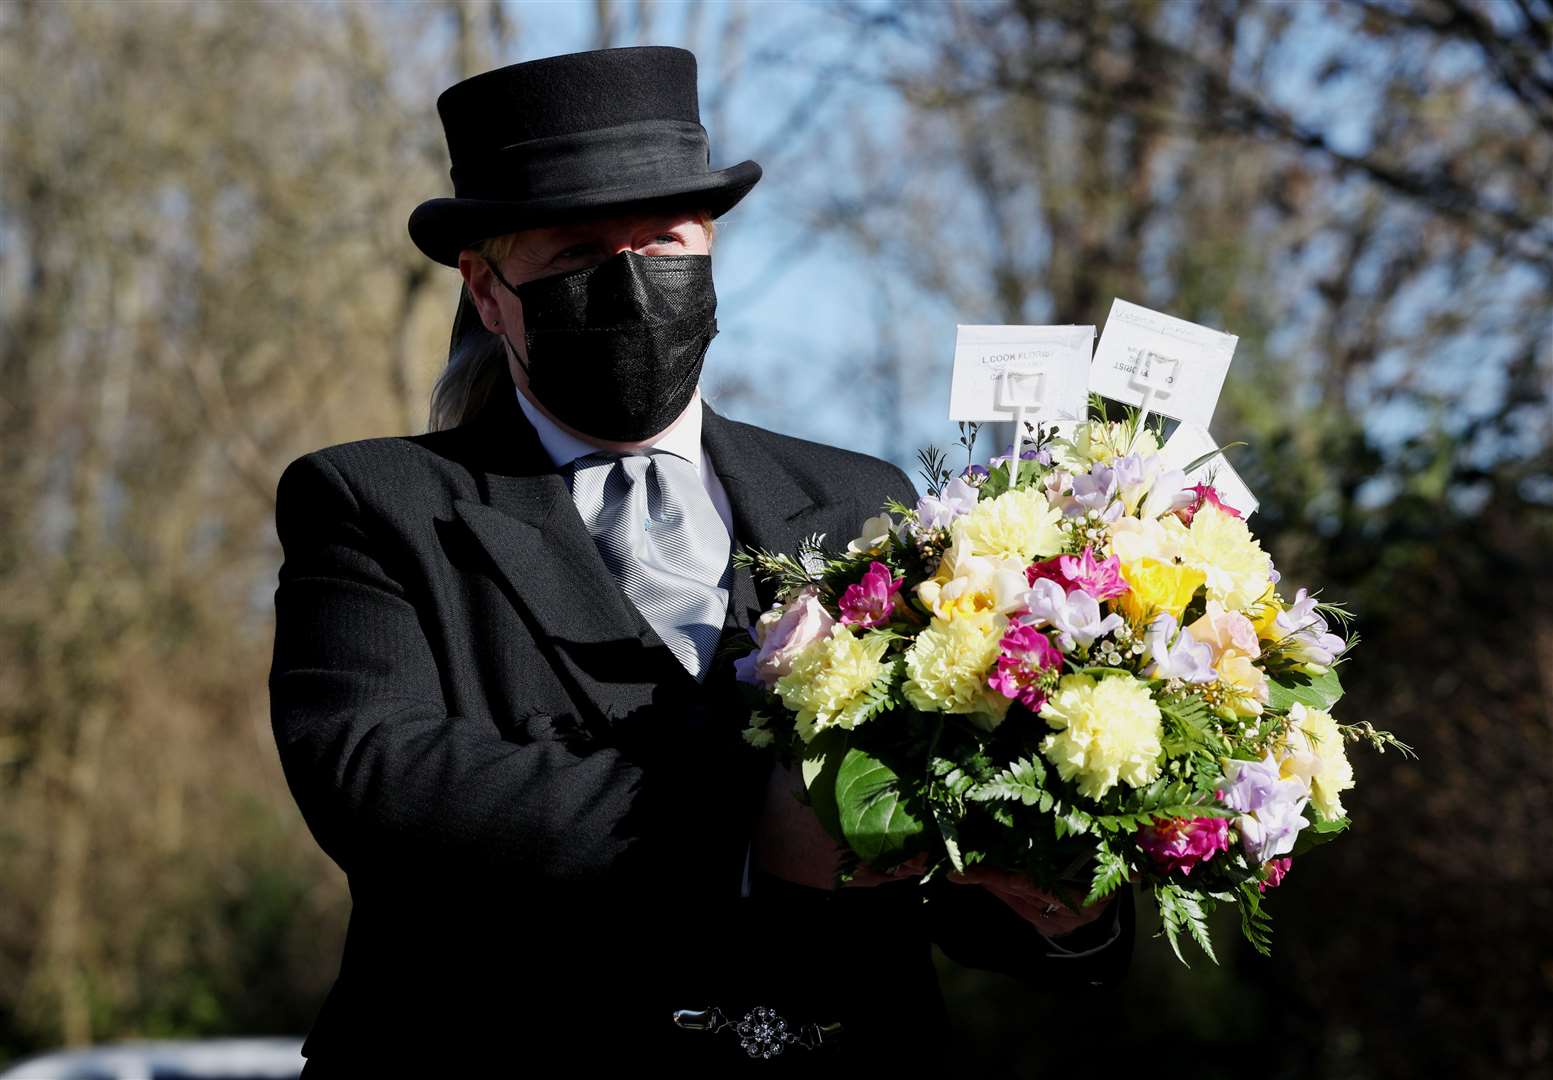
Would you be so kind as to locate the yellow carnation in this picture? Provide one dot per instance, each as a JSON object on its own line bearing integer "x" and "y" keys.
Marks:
{"x": 1315, "y": 753}
{"x": 1108, "y": 730}
{"x": 1222, "y": 547}
{"x": 947, "y": 666}
{"x": 1154, "y": 586}
{"x": 1018, "y": 524}
{"x": 826, "y": 682}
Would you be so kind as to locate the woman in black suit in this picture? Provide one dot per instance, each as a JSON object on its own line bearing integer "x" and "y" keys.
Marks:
{"x": 557, "y": 844}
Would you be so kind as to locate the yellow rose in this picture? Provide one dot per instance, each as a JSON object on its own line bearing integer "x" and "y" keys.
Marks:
{"x": 1155, "y": 586}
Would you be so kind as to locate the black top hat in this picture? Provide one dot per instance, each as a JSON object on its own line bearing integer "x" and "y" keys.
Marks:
{"x": 567, "y": 136}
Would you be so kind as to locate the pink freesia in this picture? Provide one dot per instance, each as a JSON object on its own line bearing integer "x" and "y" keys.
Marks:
{"x": 1026, "y": 669}
{"x": 1204, "y": 494}
{"x": 1275, "y": 874}
{"x": 870, "y": 601}
{"x": 1102, "y": 580}
{"x": 1182, "y": 843}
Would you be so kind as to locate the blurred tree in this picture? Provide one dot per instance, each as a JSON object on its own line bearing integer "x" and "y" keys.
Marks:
{"x": 1359, "y": 191}
{"x": 204, "y": 272}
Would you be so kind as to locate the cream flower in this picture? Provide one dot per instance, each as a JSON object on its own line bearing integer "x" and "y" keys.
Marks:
{"x": 1095, "y": 441}
{"x": 947, "y": 667}
{"x": 1108, "y": 731}
{"x": 827, "y": 680}
{"x": 1133, "y": 539}
{"x": 1223, "y": 548}
{"x": 1247, "y": 683}
{"x": 1313, "y": 751}
{"x": 1226, "y": 631}
{"x": 876, "y": 533}
{"x": 1018, "y": 524}
{"x": 967, "y": 583}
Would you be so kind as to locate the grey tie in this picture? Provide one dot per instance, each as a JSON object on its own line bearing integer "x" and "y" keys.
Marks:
{"x": 662, "y": 538}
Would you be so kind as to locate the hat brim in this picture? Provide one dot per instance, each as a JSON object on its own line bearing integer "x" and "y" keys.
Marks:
{"x": 442, "y": 228}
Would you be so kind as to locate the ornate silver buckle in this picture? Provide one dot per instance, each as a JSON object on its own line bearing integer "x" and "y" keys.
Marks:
{"x": 762, "y": 1032}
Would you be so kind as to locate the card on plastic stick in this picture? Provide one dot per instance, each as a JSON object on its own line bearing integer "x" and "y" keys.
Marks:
{"x": 1019, "y": 374}
{"x": 1161, "y": 363}
{"x": 1191, "y": 442}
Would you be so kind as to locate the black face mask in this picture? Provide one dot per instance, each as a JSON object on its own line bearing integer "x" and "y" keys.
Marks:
{"x": 615, "y": 349}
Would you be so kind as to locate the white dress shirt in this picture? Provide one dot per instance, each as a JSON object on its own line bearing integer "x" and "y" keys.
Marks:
{"x": 684, "y": 439}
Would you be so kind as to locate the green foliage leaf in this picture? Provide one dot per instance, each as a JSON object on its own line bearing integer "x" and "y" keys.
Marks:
{"x": 872, "y": 807}
{"x": 821, "y": 762}
{"x": 1255, "y": 924}
{"x": 1022, "y": 780}
{"x": 950, "y": 833}
{"x": 1318, "y": 833}
{"x": 1313, "y": 691}
{"x": 1110, "y": 872}
{"x": 1179, "y": 910}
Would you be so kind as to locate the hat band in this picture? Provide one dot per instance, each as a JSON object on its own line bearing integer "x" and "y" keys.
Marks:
{"x": 643, "y": 152}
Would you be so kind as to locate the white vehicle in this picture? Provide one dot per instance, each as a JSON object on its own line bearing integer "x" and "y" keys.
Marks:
{"x": 174, "y": 1059}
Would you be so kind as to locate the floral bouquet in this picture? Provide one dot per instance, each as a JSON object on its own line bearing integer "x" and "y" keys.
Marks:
{"x": 1074, "y": 665}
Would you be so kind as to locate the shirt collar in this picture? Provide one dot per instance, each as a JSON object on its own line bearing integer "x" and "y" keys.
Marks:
{"x": 564, "y": 448}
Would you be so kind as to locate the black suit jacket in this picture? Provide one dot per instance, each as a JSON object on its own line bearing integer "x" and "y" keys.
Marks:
{"x": 541, "y": 816}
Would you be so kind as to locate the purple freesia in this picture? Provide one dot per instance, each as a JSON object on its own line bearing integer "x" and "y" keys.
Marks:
{"x": 1075, "y": 615}
{"x": 1026, "y": 669}
{"x": 1095, "y": 489}
{"x": 1042, "y": 456}
{"x": 1306, "y": 631}
{"x": 871, "y": 601}
{"x": 1175, "y": 655}
{"x": 937, "y": 511}
{"x": 1270, "y": 806}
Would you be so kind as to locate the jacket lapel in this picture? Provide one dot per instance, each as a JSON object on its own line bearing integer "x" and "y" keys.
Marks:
{"x": 526, "y": 522}
{"x": 771, "y": 511}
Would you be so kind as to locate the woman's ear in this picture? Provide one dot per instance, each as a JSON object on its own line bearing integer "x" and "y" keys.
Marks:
{"x": 482, "y": 286}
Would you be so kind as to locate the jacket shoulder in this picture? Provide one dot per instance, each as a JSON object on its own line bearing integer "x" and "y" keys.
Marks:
{"x": 386, "y": 468}
{"x": 828, "y": 467}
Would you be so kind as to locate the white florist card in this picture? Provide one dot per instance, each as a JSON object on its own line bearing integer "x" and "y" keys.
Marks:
{"x": 1000, "y": 370}
{"x": 1159, "y": 362}
{"x": 1191, "y": 442}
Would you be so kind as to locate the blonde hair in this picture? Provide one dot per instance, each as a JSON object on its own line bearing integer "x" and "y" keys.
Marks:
{"x": 477, "y": 362}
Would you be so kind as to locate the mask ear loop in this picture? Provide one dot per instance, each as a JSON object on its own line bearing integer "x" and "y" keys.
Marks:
{"x": 522, "y": 361}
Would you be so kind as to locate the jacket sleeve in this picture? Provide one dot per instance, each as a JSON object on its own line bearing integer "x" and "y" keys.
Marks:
{"x": 388, "y": 782}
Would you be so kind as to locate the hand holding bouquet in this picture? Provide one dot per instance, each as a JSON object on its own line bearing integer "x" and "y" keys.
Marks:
{"x": 1074, "y": 666}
